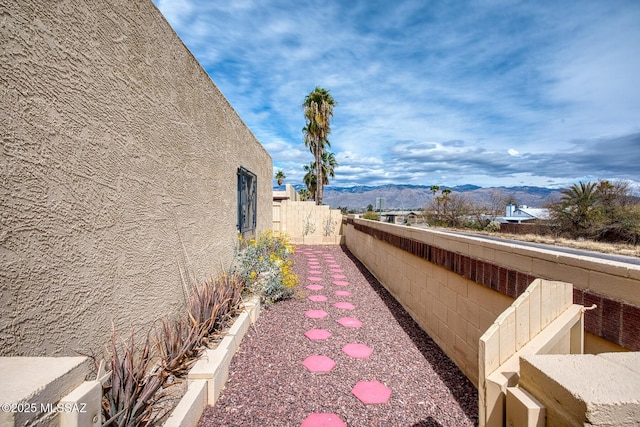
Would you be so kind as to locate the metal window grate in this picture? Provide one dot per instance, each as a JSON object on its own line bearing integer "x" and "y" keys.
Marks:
{"x": 247, "y": 200}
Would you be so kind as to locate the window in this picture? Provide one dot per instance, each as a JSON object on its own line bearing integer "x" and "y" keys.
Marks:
{"x": 247, "y": 200}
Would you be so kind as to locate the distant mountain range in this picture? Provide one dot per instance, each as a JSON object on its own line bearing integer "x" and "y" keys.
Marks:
{"x": 416, "y": 196}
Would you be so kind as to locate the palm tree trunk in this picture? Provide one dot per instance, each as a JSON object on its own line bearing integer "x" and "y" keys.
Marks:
{"x": 319, "y": 177}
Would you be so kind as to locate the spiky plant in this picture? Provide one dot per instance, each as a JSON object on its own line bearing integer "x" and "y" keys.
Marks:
{"x": 178, "y": 344}
{"x": 130, "y": 393}
{"x": 213, "y": 302}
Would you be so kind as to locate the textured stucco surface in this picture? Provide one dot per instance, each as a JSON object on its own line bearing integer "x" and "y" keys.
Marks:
{"x": 117, "y": 170}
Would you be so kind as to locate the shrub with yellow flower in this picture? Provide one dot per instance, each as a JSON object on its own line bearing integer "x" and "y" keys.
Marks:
{"x": 265, "y": 265}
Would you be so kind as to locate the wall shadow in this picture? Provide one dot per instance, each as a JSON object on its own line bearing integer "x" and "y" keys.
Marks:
{"x": 427, "y": 422}
{"x": 461, "y": 388}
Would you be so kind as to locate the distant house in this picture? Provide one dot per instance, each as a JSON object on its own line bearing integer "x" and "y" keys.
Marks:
{"x": 520, "y": 214}
{"x": 399, "y": 217}
{"x": 289, "y": 193}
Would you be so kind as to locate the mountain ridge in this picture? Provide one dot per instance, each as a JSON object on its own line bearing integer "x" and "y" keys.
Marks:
{"x": 411, "y": 196}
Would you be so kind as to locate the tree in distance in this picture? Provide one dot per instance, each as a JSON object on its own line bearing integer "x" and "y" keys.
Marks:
{"x": 318, "y": 110}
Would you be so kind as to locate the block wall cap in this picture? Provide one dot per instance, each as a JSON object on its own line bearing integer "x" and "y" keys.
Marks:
{"x": 604, "y": 384}
{"x": 27, "y": 375}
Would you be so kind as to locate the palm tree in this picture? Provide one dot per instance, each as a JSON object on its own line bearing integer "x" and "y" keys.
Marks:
{"x": 329, "y": 163}
{"x": 445, "y": 199}
{"x": 309, "y": 179}
{"x": 577, "y": 203}
{"x": 434, "y": 189}
{"x": 445, "y": 195}
{"x": 318, "y": 110}
{"x": 280, "y": 176}
{"x": 304, "y": 194}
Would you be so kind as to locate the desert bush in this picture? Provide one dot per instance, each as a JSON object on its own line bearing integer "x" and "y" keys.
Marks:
{"x": 371, "y": 215}
{"x": 265, "y": 266}
{"x": 603, "y": 210}
{"x": 493, "y": 226}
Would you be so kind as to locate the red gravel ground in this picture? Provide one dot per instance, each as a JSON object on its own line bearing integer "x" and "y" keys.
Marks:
{"x": 269, "y": 385}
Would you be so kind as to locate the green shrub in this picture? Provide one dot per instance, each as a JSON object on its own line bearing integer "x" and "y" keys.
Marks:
{"x": 493, "y": 226}
{"x": 371, "y": 215}
{"x": 265, "y": 266}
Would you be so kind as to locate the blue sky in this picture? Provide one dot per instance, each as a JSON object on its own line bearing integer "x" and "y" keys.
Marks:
{"x": 486, "y": 92}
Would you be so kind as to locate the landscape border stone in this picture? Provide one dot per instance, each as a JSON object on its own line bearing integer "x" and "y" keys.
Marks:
{"x": 209, "y": 374}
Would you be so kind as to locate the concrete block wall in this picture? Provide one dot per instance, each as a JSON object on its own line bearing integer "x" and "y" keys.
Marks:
{"x": 428, "y": 270}
{"x": 453, "y": 309}
{"x": 307, "y": 223}
{"x": 117, "y": 173}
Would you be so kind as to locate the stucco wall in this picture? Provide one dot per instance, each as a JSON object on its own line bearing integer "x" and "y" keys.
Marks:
{"x": 117, "y": 171}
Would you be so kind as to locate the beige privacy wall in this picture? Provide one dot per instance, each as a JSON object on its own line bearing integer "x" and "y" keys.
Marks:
{"x": 117, "y": 172}
{"x": 307, "y": 223}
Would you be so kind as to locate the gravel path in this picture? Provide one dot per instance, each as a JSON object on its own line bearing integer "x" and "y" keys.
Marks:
{"x": 269, "y": 385}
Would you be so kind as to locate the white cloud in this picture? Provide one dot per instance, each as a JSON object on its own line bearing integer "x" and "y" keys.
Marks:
{"x": 432, "y": 92}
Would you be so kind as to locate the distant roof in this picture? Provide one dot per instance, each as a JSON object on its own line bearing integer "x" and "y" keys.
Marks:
{"x": 539, "y": 213}
{"x": 399, "y": 213}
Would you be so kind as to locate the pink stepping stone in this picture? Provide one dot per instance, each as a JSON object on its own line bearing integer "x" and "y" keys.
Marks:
{"x": 314, "y": 278}
{"x": 334, "y": 266}
{"x": 323, "y": 420}
{"x": 371, "y": 392}
{"x": 338, "y": 276}
{"x": 314, "y": 262}
{"x": 344, "y": 305}
{"x": 340, "y": 293}
{"x": 349, "y": 322}
{"x": 340, "y": 283}
{"x": 317, "y": 298}
{"x": 317, "y": 334}
{"x": 319, "y": 363}
{"x": 315, "y": 287}
{"x": 357, "y": 351}
{"x": 316, "y": 314}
